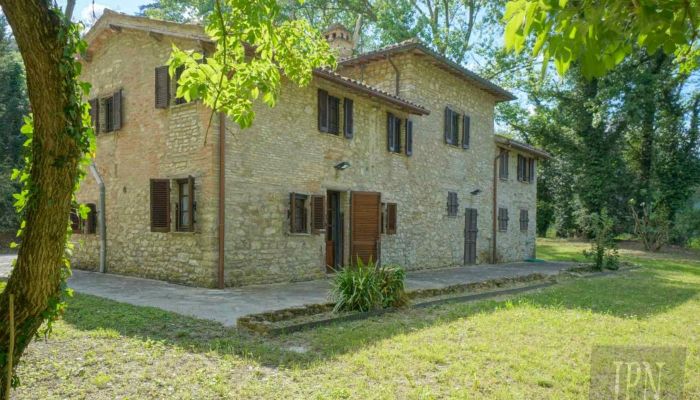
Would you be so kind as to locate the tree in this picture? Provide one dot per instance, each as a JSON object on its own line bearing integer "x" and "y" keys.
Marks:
{"x": 13, "y": 105}
{"x": 599, "y": 34}
{"x": 61, "y": 141}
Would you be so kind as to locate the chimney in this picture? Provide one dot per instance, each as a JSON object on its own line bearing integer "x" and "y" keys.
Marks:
{"x": 340, "y": 40}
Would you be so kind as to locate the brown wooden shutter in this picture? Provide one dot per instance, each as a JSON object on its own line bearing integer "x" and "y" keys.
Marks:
{"x": 466, "y": 126}
{"x": 409, "y": 137}
{"x": 318, "y": 214}
{"x": 162, "y": 87}
{"x": 322, "y": 110}
{"x": 531, "y": 167}
{"x": 524, "y": 220}
{"x": 348, "y": 118}
{"x": 292, "y": 212}
{"x": 95, "y": 114}
{"x": 160, "y": 205}
{"x": 391, "y": 218}
{"x": 117, "y": 110}
{"x": 397, "y": 135}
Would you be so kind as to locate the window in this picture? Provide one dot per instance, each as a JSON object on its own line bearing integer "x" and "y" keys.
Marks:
{"x": 178, "y": 74}
{"x": 298, "y": 221}
{"x": 502, "y": 219}
{"x": 185, "y": 207}
{"x": 91, "y": 221}
{"x": 318, "y": 214}
{"x": 393, "y": 133}
{"x": 466, "y": 128}
{"x": 524, "y": 220}
{"x": 452, "y": 204}
{"x": 526, "y": 169}
{"x": 451, "y": 127}
{"x": 503, "y": 164}
{"x": 160, "y": 205}
{"x": 391, "y": 218}
{"x": 348, "y": 122}
{"x": 76, "y": 223}
{"x": 106, "y": 113}
{"x": 409, "y": 137}
{"x": 328, "y": 113}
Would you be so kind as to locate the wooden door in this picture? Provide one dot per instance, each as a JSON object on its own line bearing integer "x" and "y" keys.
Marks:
{"x": 365, "y": 220}
{"x": 470, "y": 233}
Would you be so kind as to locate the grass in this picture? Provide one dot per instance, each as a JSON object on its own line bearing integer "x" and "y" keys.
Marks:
{"x": 534, "y": 346}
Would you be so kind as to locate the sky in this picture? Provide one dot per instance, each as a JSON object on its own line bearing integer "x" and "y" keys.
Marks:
{"x": 83, "y": 8}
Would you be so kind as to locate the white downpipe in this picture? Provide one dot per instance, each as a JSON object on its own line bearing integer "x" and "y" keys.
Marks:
{"x": 101, "y": 218}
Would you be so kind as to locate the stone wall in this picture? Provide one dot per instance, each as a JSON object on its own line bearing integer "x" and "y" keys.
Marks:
{"x": 152, "y": 143}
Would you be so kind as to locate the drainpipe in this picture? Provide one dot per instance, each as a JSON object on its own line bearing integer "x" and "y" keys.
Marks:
{"x": 101, "y": 218}
{"x": 398, "y": 74}
{"x": 222, "y": 198}
{"x": 495, "y": 210}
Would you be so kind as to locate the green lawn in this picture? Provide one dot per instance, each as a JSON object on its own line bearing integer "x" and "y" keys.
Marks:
{"x": 535, "y": 346}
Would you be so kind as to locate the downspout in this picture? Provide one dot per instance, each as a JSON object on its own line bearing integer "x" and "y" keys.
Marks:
{"x": 398, "y": 74}
{"x": 494, "y": 208}
{"x": 222, "y": 198}
{"x": 101, "y": 218}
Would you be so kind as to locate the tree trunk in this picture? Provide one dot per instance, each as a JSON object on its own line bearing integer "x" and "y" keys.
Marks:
{"x": 36, "y": 277}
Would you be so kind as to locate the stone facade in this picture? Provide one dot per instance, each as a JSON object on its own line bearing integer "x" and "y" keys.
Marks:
{"x": 284, "y": 152}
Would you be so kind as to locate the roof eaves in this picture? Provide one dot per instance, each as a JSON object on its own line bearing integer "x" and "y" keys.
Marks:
{"x": 518, "y": 145}
{"x": 371, "y": 91}
{"x": 410, "y": 44}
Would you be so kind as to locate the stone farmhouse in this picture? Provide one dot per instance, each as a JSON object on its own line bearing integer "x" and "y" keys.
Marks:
{"x": 391, "y": 157}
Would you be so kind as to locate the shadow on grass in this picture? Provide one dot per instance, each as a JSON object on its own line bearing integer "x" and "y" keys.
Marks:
{"x": 638, "y": 294}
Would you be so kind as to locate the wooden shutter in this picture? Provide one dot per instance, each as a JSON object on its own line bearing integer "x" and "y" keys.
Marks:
{"x": 117, "y": 110}
{"x": 452, "y": 204}
{"x": 160, "y": 205}
{"x": 531, "y": 167}
{"x": 391, "y": 218}
{"x": 503, "y": 164}
{"x": 162, "y": 87}
{"x": 455, "y": 129}
{"x": 348, "y": 118}
{"x": 292, "y": 212}
{"x": 91, "y": 223}
{"x": 318, "y": 214}
{"x": 95, "y": 114}
{"x": 524, "y": 220}
{"x": 503, "y": 219}
{"x": 322, "y": 110}
{"x": 448, "y": 125}
{"x": 397, "y": 135}
{"x": 390, "y": 126}
{"x": 365, "y": 221}
{"x": 409, "y": 137}
{"x": 466, "y": 126}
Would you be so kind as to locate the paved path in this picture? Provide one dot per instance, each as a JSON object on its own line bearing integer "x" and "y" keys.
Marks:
{"x": 226, "y": 306}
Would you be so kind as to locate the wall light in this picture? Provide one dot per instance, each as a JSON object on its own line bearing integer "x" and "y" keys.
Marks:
{"x": 475, "y": 192}
{"x": 341, "y": 166}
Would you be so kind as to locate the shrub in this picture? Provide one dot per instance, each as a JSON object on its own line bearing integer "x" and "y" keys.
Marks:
{"x": 651, "y": 224}
{"x": 364, "y": 287}
{"x": 357, "y": 288}
{"x": 603, "y": 251}
{"x": 391, "y": 285}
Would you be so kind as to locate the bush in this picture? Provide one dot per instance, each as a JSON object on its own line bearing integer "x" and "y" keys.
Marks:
{"x": 364, "y": 287}
{"x": 391, "y": 285}
{"x": 603, "y": 251}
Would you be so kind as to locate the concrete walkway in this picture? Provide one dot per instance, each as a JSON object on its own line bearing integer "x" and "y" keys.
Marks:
{"x": 226, "y": 306}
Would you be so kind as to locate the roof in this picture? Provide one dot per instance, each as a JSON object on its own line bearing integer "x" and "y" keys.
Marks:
{"x": 116, "y": 21}
{"x": 415, "y": 44}
{"x": 522, "y": 146}
{"x": 371, "y": 91}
